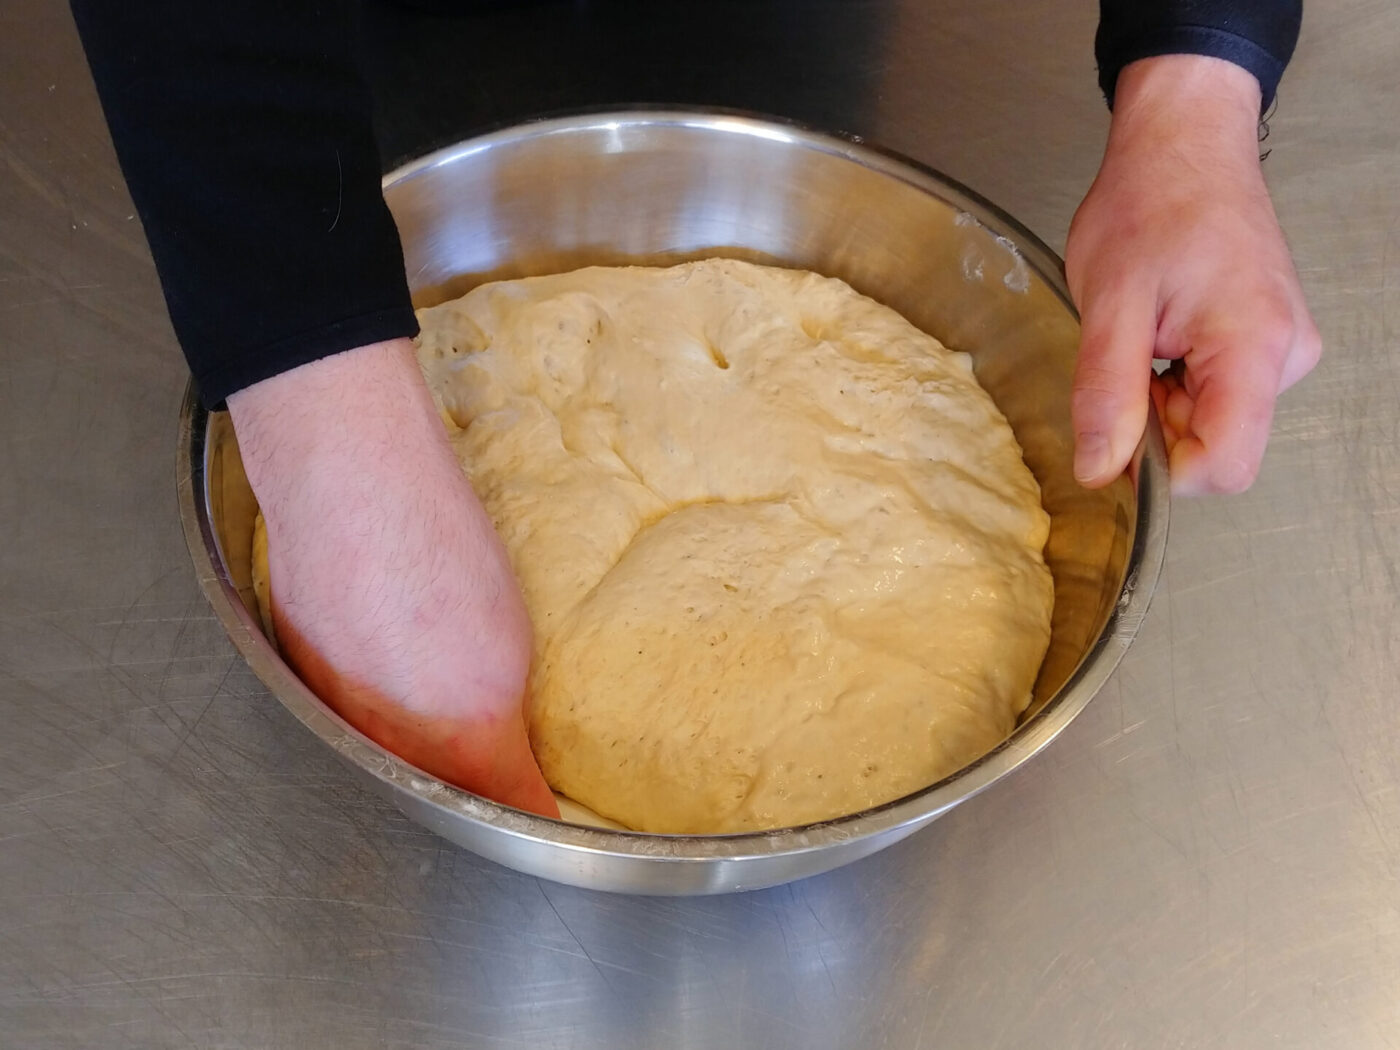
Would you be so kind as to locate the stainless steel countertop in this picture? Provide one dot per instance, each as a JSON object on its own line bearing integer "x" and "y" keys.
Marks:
{"x": 1209, "y": 856}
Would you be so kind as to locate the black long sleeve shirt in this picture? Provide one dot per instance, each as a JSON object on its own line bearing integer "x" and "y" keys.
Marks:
{"x": 244, "y": 131}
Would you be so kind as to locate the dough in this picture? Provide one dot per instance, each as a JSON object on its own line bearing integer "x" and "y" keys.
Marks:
{"x": 781, "y": 552}
{"x": 782, "y": 555}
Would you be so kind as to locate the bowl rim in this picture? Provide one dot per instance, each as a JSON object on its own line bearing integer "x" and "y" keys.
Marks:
{"x": 450, "y": 803}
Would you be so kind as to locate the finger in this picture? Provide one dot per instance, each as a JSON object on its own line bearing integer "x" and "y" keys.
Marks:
{"x": 1111, "y": 384}
{"x": 1229, "y": 425}
{"x": 1178, "y": 410}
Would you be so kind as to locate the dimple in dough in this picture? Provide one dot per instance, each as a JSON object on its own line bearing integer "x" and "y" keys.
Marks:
{"x": 781, "y": 551}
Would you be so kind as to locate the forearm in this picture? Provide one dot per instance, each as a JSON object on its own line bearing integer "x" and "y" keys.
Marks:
{"x": 244, "y": 133}
{"x": 392, "y": 597}
{"x": 324, "y": 430}
{"x": 1256, "y": 35}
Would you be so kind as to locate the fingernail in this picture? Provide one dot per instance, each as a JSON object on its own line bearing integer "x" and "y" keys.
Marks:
{"x": 1091, "y": 455}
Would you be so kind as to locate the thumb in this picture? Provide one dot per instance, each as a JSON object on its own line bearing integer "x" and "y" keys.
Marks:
{"x": 1111, "y": 383}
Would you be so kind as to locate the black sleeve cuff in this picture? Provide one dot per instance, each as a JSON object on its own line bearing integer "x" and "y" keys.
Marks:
{"x": 218, "y": 376}
{"x": 1257, "y": 35}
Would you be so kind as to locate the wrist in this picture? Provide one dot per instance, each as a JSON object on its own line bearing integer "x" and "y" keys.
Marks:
{"x": 1187, "y": 97}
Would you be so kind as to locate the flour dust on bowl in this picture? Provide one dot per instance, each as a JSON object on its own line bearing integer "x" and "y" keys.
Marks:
{"x": 660, "y": 187}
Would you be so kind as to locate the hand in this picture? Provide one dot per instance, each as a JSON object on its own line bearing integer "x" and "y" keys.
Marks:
{"x": 1176, "y": 253}
{"x": 392, "y": 596}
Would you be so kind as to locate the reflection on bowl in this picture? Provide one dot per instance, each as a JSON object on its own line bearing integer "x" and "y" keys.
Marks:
{"x": 656, "y": 187}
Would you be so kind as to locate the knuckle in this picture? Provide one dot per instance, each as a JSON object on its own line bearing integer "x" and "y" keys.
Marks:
{"x": 1275, "y": 313}
{"x": 1275, "y": 335}
{"x": 1262, "y": 323}
{"x": 1309, "y": 346}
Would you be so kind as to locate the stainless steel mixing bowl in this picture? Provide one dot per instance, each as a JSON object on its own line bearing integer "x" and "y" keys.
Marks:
{"x": 660, "y": 186}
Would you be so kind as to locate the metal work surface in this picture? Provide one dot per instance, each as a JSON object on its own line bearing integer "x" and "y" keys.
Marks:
{"x": 1209, "y": 856}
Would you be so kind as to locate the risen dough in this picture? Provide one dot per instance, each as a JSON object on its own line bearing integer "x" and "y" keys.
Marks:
{"x": 781, "y": 552}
